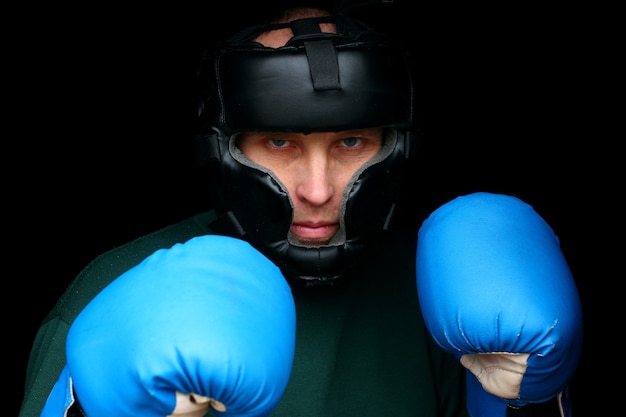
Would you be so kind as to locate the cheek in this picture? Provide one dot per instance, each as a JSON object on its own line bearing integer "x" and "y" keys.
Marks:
{"x": 344, "y": 171}
{"x": 341, "y": 180}
{"x": 286, "y": 175}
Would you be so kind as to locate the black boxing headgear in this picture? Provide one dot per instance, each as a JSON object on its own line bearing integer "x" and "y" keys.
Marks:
{"x": 318, "y": 82}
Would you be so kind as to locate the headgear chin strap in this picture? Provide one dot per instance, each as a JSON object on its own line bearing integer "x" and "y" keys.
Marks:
{"x": 355, "y": 78}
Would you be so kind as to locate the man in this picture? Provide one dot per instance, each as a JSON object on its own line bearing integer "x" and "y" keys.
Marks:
{"x": 307, "y": 132}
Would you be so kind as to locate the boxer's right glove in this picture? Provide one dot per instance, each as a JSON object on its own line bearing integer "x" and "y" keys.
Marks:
{"x": 210, "y": 322}
{"x": 495, "y": 291}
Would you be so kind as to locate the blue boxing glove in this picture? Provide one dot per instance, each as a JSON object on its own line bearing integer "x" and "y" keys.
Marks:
{"x": 495, "y": 290}
{"x": 207, "y": 323}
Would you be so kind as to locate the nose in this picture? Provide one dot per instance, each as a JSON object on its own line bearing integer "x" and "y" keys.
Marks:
{"x": 315, "y": 185}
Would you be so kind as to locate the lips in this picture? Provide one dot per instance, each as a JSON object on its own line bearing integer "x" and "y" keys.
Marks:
{"x": 317, "y": 232}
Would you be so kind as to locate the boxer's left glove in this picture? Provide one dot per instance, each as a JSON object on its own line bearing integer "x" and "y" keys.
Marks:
{"x": 496, "y": 291}
{"x": 210, "y": 322}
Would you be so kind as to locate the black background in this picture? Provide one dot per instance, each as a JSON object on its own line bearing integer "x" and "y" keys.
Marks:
{"x": 103, "y": 107}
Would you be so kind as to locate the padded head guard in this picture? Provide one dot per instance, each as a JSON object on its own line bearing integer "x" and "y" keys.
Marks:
{"x": 355, "y": 78}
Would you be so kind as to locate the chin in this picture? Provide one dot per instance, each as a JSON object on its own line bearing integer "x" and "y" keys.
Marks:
{"x": 313, "y": 243}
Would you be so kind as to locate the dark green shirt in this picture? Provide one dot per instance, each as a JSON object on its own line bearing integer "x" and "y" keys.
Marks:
{"x": 362, "y": 348}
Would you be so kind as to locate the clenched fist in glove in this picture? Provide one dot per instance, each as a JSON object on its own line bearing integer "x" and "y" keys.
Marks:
{"x": 210, "y": 322}
{"x": 496, "y": 291}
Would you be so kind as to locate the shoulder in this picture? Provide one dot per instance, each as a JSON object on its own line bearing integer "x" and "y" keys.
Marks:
{"x": 111, "y": 264}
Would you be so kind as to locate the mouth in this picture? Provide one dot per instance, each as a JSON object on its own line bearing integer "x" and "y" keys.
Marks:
{"x": 314, "y": 234}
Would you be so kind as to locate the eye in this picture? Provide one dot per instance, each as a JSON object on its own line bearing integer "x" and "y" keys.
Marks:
{"x": 350, "y": 142}
{"x": 278, "y": 143}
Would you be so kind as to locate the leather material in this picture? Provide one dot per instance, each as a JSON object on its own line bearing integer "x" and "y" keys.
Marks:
{"x": 493, "y": 284}
{"x": 211, "y": 317}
